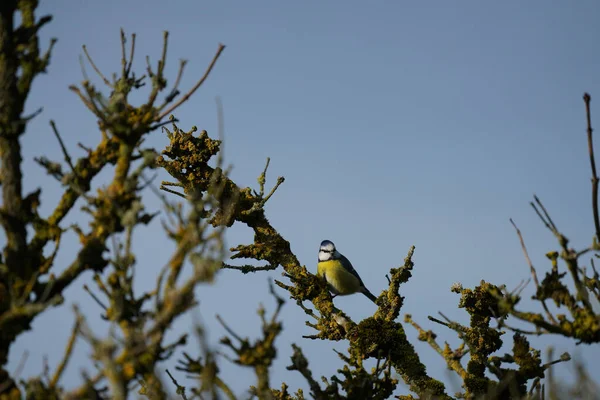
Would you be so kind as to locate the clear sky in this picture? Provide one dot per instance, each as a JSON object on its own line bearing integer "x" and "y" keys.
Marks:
{"x": 395, "y": 123}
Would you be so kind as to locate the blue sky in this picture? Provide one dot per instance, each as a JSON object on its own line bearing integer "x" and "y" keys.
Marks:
{"x": 394, "y": 124}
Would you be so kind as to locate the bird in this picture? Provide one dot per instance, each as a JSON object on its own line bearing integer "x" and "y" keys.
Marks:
{"x": 339, "y": 273}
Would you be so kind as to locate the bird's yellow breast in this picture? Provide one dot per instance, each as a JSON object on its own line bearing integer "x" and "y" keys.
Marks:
{"x": 339, "y": 279}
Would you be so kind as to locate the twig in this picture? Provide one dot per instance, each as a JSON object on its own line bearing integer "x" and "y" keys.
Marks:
{"x": 67, "y": 356}
{"x": 4, "y": 385}
{"x": 249, "y": 268}
{"x": 123, "y": 55}
{"x": 163, "y": 59}
{"x": 532, "y": 269}
{"x": 158, "y": 81}
{"x": 196, "y": 86}
{"x": 455, "y": 326}
{"x": 173, "y": 192}
{"x": 428, "y": 336}
{"x": 280, "y": 302}
{"x": 21, "y": 365}
{"x": 280, "y": 180}
{"x": 429, "y": 317}
{"x": 587, "y": 99}
{"x": 564, "y": 357}
{"x": 547, "y": 220}
{"x": 131, "y": 52}
{"x": 83, "y": 71}
{"x": 312, "y": 337}
{"x": 175, "y": 91}
{"x": 228, "y": 329}
{"x": 226, "y": 356}
{"x": 262, "y": 178}
{"x": 180, "y": 389}
{"x": 307, "y": 310}
{"x": 96, "y": 299}
{"x": 537, "y": 332}
{"x": 149, "y": 68}
{"x": 87, "y": 102}
{"x": 167, "y": 183}
{"x": 100, "y": 74}
{"x": 62, "y": 146}
{"x": 31, "y": 116}
{"x": 534, "y": 386}
{"x": 84, "y": 147}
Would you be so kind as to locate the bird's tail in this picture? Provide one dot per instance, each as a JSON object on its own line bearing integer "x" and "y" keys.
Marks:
{"x": 370, "y": 295}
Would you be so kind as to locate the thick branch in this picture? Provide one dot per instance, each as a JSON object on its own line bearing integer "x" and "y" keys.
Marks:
{"x": 11, "y": 127}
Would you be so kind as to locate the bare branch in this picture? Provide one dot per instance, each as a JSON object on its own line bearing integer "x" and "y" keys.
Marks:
{"x": 532, "y": 269}
{"x": 62, "y": 146}
{"x": 244, "y": 269}
{"x": 195, "y": 87}
{"x": 100, "y": 74}
{"x": 67, "y": 356}
{"x": 587, "y": 99}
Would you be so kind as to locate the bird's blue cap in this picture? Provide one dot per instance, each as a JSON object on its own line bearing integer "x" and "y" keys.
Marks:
{"x": 327, "y": 243}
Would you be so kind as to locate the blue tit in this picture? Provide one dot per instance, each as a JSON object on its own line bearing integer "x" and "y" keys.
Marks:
{"x": 339, "y": 272}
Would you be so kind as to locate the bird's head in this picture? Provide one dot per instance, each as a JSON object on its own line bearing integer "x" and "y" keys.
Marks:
{"x": 327, "y": 251}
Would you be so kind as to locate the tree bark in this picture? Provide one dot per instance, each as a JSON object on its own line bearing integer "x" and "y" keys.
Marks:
{"x": 12, "y": 215}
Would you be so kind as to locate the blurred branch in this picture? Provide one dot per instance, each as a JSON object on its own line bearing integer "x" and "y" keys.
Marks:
{"x": 68, "y": 352}
{"x": 452, "y": 358}
{"x": 91, "y": 61}
{"x": 244, "y": 269}
{"x": 260, "y": 354}
{"x": 533, "y": 273}
{"x": 180, "y": 389}
{"x": 587, "y": 99}
{"x": 62, "y": 146}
